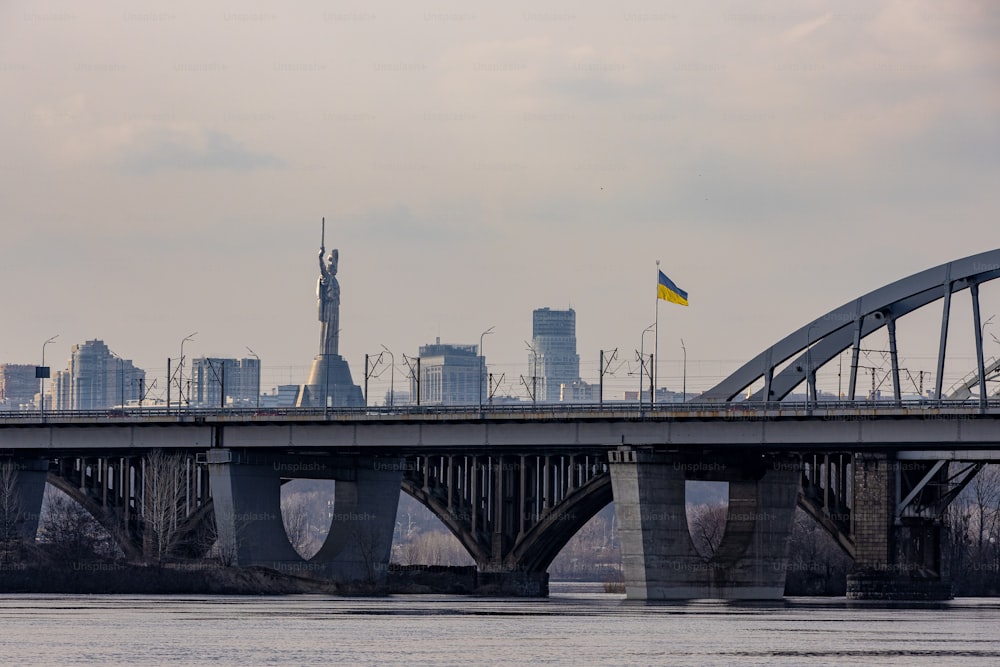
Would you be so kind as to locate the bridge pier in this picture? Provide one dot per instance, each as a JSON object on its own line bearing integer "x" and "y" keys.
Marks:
{"x": 898, "y": 554}
{"x": 246, "y": 491}
{"x": 659, "y": 558}
{"x": 21, "y": 489}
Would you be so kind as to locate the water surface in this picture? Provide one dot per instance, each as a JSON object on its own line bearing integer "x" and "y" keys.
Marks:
{"x": 577, "y": 625}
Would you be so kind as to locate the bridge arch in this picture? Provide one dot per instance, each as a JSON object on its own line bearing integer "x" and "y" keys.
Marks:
{"x": 512, "y": 513}
{"x": 843, "y": 328}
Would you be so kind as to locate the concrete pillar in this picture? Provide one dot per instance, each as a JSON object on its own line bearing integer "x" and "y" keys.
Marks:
{"x": 359, "y": 543}
{"x": 659, "y": 558}
{"x": 24, "y": 499}
{"x": 895, "y": 559}
{"x": 247, "y": 494}
{"x": 248, "y": 511}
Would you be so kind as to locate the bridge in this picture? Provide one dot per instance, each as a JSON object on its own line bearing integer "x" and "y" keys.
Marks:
{"x": 515, "y": 483}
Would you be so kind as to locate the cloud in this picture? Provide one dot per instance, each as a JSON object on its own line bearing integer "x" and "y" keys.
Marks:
{"x": 442, "y": 223}
{"x": 806, "y": 28}
{"x": 207, "y": 151}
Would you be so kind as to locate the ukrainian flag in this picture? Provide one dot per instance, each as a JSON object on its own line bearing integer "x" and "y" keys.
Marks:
{"x": 668, "y": 291}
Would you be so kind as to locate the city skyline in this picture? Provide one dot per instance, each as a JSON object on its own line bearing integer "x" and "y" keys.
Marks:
{"x": 476, "y": 162}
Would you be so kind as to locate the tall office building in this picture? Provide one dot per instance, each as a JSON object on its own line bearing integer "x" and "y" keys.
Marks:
{"x": 554, "y": 361}
{"x": 450, "y": 375}
{"x": 95, "y": 380}
{"x": 18, "y": 386}
{"x": 217, "y": 382}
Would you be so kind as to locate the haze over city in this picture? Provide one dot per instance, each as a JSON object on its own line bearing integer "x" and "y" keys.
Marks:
{"x": 165, "y": 170}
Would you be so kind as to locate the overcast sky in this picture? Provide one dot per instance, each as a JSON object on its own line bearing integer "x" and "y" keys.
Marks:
{"x": 164, "y": 170}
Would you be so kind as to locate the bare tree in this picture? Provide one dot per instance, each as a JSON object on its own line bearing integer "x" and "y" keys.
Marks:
{"x": 223, "y": 552}
{"x": 707, "y": 524}
{"x": 162, "y": 501}
{"x": 986, "y": 503}
{"x": 295, "y": 517}
{"x": 10, "y": 509}
{"x": 70, "y": 534}
{"x": 370, "y": 547}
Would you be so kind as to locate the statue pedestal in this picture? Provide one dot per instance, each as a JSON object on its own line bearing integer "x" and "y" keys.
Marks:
{"x": 329, "y": 384}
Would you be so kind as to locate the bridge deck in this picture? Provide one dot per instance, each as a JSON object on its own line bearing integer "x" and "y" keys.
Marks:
{"x": 779, "y": 426}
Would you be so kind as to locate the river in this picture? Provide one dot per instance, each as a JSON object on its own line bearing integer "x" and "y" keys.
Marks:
{"x": 577, "y": 625}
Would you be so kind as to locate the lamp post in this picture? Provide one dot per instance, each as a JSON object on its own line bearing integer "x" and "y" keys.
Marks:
{"x": 684, "y": 381}
{"x": 43, "y": 372}
{"x": 254, "y": 355}
{"x": 534, "y": 373}
{"x": 810, "y": 385}
{"x": 180, "y": 370}
{"x": 642, "y": 362}
{"x": 392, "y": 376}
{"x": 482, "y": 363}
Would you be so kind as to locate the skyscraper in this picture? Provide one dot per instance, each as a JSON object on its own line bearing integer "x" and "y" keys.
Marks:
{"x": 554, "y": 360}
{"x": 96, "y": 379}
{"x": 216, "y": 382}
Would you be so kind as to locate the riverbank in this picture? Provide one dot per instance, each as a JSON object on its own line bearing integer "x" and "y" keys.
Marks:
{"x": 129, "y": 579}
{"x": 209, "y": 578}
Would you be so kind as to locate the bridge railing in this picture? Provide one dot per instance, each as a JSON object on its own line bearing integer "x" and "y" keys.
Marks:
{"x": 556, "y": 411}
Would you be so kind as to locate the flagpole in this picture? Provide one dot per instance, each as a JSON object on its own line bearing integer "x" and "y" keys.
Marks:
{"x": 656, "y": 336}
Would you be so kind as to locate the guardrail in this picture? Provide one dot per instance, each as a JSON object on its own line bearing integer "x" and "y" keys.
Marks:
{"x": 534, "y": 411}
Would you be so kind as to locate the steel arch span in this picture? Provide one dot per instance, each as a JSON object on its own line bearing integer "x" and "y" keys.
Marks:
{"x": 843, "y": 328}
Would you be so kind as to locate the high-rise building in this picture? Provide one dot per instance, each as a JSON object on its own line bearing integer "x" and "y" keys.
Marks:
{"x": 95, "y": 380}
{"x": 18, "y": 386}
{"x": 450, "y": 375}
{"x": 216, "y": 382}
{"x": 553, "y": 360}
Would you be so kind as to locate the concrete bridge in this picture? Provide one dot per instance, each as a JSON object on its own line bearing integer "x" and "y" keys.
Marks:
{"x": 514, "y": 484}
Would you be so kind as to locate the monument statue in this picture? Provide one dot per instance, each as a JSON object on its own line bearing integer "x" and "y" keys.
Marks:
{"x": 328, "y": 301}
{"x": 329, "y": 383}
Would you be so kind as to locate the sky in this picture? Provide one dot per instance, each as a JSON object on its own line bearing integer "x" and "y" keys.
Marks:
{"x": 165, "y": 168}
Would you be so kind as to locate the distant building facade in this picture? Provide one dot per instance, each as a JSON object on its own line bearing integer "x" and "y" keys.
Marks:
{"x": 450, "y": 375}
{"x": 95, "y": 380}
{"x": 282, "y": 396}
{"x": 580, "y": 392}
{"x": 217, "y": 382}
{"x": 18, "y": 387}
{"x": 554, "y": 361}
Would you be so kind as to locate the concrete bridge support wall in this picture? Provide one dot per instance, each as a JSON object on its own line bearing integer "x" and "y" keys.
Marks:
{"x": 247, "y": 495}
{"x": 21, "y": 501}
{"x": 896, "y": 558}
{"x": 359, "y": 543}
{"x": 659, "y": 558}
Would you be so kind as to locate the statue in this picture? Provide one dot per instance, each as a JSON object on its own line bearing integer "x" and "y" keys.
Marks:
{"x": 329, "y": 384}
{"x": 328, "y": 301}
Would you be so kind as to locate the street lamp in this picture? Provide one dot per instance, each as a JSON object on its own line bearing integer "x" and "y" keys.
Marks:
{"x": 43, "y": 372}
{"x": 810, "y": 385}
{"x": 482, "y": 363}
{"x": 534, "y": 373}
{"x": 642, "y": 362}
{"x": 392, "y": 376}
{"x": 180, "y": 370}
{"x": 684, "y": 381}
{"x": 254, "y": 355}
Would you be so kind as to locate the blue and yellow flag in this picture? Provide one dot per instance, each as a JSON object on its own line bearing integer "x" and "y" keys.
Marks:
{"x": 668, "y": 291}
